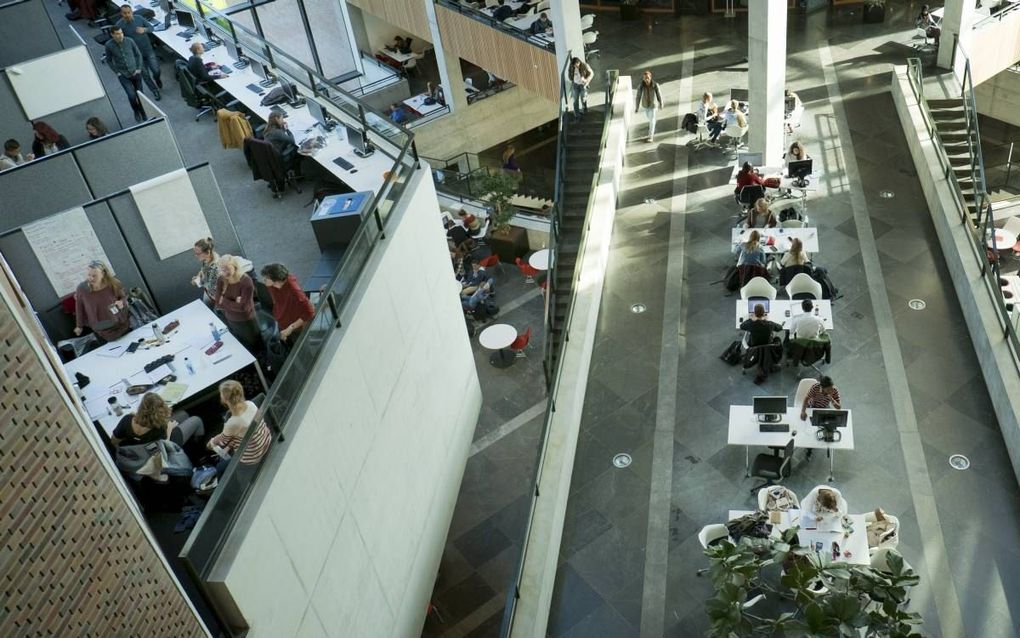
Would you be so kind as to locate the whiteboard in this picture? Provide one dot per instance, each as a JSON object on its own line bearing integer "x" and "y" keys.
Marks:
{"x": 55, "y": 82}
{"x": 171, "y": 212}
{"x": 64, "y": 244}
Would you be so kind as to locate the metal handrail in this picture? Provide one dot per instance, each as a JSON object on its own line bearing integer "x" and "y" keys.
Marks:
{"x": 996, "y": 17}
{"x": 479, "y": 16}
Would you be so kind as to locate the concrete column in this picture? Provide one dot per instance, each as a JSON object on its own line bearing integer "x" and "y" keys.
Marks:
{"x": 566, "y": 19}
{"x": 450, "y": 76}
{"x": 766, "y": 54}
{"x": 957, "y": 20}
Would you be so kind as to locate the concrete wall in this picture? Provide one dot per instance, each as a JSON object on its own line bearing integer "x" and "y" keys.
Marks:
{"x": 993, "y": 47}
{"x": 999, "y": 97}
{"x": 346, "y": 537}
{"x": 986, "y": 331}
{"x": 484, "y": 124}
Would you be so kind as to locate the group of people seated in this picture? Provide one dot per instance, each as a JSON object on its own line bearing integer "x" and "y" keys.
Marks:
{"x": 733, "y": 115}
{"x": 45, "y": 141}
{"x": 476, "y": 284}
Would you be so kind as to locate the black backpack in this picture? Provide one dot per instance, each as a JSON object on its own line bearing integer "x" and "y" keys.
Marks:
{"x": 690, "y": 123}
{"x": 829, "y": 290}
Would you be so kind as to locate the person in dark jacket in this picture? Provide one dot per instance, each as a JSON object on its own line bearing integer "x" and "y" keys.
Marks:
{"x": 47, "y": 141}
{"x": 759, "y": 329}
{"x": 281, "y": 138}
{"x": 138, "y": 31}
{"x": 502, "y": 12}
{"x": 126, "y": 60}
{"x": 198, "y": 68}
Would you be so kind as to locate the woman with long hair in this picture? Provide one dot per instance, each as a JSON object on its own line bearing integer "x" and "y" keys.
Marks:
{"x": 235, "y": 296}
{"x": 100, "y": 304}
{"x": 153, "y": 421}
{"x": 750, "y": 253}
{"x": 47, "y": 141}
{"x": 796, "y": 256}
{"x": 95, "y": 128}
{"x": 208, "y": 271}
{"x": 580, "y": 77}
{"x": 510, "y": 159}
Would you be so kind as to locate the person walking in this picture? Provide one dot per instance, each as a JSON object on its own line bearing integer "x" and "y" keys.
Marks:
{"x": 126, "y": 60}
{"x": 138, "y": 30}
{"x": 580, "y": 77}
{"x": 650, "y": 99}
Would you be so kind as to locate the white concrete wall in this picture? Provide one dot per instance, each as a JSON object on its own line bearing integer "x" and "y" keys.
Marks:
{"x": 991, "y": 48}
{"x": 346, "y": 539}
{"x": 999, "y": 97}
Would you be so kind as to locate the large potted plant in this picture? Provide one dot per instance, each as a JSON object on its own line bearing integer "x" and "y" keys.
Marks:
{"x": 497, "y": 189}
{"x": 804, "y": 593}
{"x": 874, "y": 11}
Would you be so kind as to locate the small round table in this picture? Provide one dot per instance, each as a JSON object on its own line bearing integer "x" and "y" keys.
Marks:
{"x": 1003, "y": 239}
{"x": 498, "y": 337}
{"x": 539, "y": 259}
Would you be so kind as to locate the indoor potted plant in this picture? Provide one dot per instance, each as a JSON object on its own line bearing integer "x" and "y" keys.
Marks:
{"x": 499, "y": 189}
{"x": 874, "y": 11}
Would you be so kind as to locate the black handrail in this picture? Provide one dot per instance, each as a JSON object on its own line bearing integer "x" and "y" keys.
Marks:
{"x": 479, "y": 16}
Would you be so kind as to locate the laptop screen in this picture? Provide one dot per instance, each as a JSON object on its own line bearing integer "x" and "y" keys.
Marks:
{"x": 760, "y": 301}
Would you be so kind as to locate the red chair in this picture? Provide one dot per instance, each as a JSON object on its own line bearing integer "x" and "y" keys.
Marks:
{"x": 527, "y": 270}
{"x": 521, "y": 342}
{"x": 492, "y": 261}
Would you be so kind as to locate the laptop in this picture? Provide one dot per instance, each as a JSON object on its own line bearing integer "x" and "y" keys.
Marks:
{"x": 758, "y": 301}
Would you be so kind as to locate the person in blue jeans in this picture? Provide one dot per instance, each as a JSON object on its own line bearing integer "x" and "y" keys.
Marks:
{"x": 124, "y": 58}
{"x": 138, "y": 30}
{"x": 477, "y": 297}
{"x": 580, "y": 77}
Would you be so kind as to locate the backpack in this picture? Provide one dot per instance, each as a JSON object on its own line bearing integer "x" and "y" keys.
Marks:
{"x": 754, "y": 524}
{"x": 690, "y": 123}
{"x": 731, "y": 354}
{"x": 829, "y": 290}
{"x": 731, "y": 279}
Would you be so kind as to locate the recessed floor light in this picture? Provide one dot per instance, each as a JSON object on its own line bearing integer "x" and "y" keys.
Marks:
{"x": 622, "y": 460}
{"x": 917, "y": 304}
{"x": 959, "y": 462}
{"x": 887, "y": 194}
{"x": 638, "y": 308}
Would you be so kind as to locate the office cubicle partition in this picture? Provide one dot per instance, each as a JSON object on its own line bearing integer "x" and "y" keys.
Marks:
{"x": 96, "y": 176}
{"x": 26, "y": 32}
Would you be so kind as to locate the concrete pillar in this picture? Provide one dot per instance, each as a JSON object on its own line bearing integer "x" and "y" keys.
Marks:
{"x": 450, "y": 76}
{"x": 766, "y": 54}
{"x": 566, "y": 19}
{"x": 957, "y": 20}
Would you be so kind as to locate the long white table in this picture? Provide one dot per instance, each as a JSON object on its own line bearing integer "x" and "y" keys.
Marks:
{"x": 782, "y": 311}
{"x": 784, "y": 182}
{"x": 853, "y": 541}
{"x": 108, "y": 366}
{"x": 418, "y": 105}
{"x": 744, "y": 430}
{"x": 366, "y": 173}
{"x": 781, "y": 238}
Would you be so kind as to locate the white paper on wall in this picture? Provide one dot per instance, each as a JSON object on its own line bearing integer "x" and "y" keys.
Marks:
{"x": 171, "y": 212}
{"x": 64, "y": 244}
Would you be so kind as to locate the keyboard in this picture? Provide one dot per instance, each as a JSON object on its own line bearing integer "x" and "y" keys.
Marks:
{"x": 344, "y": 164}
{"x": 255, "y": 88}
{"x": 773, "y": 427}
{"x": 209, "y": 45}
{"x": 226, "y": 69}
{"x": 187, "y": 33}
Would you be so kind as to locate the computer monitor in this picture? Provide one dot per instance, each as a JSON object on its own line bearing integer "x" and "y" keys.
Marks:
{"x": 828, "y": 419}
{"x": 769, "y": 409}
{"x": 203, "y": 31}
{"x": 740, "y": 95}
{"x": 235, "y": 52}
{"x": 318, "y": 113}
{"x": 185, "y": 19}
{"x": 164, "y": 6}
{"x": 260, "y": 70}
{"x": 757, "y": 301}
{"x": 800, "y": 169}
{"x": 356, "y": 138}
{"x": 290, "y": 91}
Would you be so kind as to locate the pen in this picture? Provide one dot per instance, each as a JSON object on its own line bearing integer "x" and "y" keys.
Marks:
{"x": 221, "y": 360}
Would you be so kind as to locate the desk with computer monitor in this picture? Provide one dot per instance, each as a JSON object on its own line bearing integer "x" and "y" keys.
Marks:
{"x": 347, "y": 155}
{"x": 783, "y": 311}
{"x": 770, "y": 422}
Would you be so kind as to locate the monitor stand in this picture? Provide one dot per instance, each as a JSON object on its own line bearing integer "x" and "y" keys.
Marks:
{"x": 770, "y": 418}
{"x": 369, "y": 149}
{"x": 241, "y": 63}
{"x": 800, "y": 182}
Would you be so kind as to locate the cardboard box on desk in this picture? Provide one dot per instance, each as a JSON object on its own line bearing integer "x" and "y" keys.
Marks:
{"x": 337, "y": 218}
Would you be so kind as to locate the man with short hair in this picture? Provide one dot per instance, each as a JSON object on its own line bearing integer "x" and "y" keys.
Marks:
{"x": 502, "y": 12}
{"x": 806, "y": 325}
{"x": 138, "y": 30}
{"x": 542, "y": 25}
{"x": 291, "y": 307}
{"x": 821, "y": 395}
{"x": 12, "y": 155}
{"x": 126, "y": 60}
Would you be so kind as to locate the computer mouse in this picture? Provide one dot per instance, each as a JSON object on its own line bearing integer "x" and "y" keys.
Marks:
{"x": 354, "y": 170}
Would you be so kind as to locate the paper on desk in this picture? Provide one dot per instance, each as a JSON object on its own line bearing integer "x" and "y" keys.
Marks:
{"x": 159, "y": 373}
{"x": 112, "y": 350}
{"x": 173, "y": 392}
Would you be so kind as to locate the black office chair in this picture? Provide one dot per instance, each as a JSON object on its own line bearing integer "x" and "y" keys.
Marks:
{"x": 197, "y": 95}
{"x": 747, "y": 196}
{"x": 773, "y": 467}
{"x": 268, "y": 165}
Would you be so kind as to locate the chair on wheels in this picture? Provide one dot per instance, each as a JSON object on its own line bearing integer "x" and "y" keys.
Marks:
{"x": 809, "y": 352}
{"x": 199, "y": 96}
{"x": 268, "y": 165}
{"x": 773, "y": 467}
{"x": 747, "y": 196}
{"x": 802, "y": 286}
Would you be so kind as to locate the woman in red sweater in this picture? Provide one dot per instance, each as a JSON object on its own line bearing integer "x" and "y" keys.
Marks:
{"x": 291, "y": 307}
{"x": 235, "y": 297}
{"x": 747, "y": 177}
{"x": 100, "y": 304}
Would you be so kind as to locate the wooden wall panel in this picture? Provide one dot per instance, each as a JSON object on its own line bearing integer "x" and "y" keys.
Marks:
{"x": 506, "y": 56}
{"x": 73, "y": 559}
{"x": 408, "y": 15}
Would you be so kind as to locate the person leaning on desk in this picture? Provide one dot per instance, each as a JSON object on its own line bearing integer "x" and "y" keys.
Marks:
{"x": 100, "y": 304}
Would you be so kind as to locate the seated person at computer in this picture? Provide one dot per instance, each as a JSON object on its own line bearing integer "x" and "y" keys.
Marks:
{"x": 502, "y": 12}
{"x": 821, "y": 504}
{"x": 435, "y": 93}
{"x": 806, "y": 325}
{"x": 95, "y": 128}
{"x": 470, "y": 222}
{"x": 291, "y": 307}
{"x": 750, "y": 253}
{"x": 474, "y": 279}
{"x": 823, "y": 394}
{"x": 796, "y": 256}
{"x": 541, "y": 25}
{"x": 198, "y": 68}
{"x": 279, "y": 135}
{"x": 796, "y": 153}
{"x": 396, "y": 45}
{"x": 154, "y": 421}
{"x": 759, "y": 330}
{"x": 525, "y": 7}
{"x": 12, "y": 155}
{"x": 101, "y": 304}
{"x": 397, "y": 114}
{"x": 241, "y": 415}
{"x": 760, "y": 216}
{"x": 47, "y": 141}
{"x": 748, "y": 176}
{"x": 457, "y": 236}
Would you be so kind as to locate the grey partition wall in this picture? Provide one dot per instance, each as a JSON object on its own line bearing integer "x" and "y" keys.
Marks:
{"x": 25, "y": 32}
{"x": 169, "y": 280}
{"x": 39, "y": 189}
{"x": 37, "y": 287}
{"x": 135, "y": 155}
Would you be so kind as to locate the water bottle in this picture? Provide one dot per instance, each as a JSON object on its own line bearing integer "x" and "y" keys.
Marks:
{"x": 156, "y": 333}
{"x": 214, "y": 331}
{"x": 187, "y": 364}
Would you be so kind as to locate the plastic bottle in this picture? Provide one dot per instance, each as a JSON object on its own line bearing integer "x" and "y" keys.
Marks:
{"x": 215, "y": 333}
{"x": 187, "y": 364}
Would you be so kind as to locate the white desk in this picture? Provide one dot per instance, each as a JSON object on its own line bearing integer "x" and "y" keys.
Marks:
{"x": 190, "y": 340}
{"x": 784, "y": 182}
{"x": 396, "y": 56}
{"x": 743, "y": 430}
{"x": 498, "y": 337}
{"x": 782, "y": 238}
{"x": 539, "y": 259}
{"x": 853, "y": 542}
{"x": 367, "y": 174}
{"x": 1003, "y": 240}
{"x": 782, "y": 311}
{"x": 418, "y": 105}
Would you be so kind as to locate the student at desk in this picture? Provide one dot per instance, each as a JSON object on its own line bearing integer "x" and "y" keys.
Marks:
{"x": 822, "y": 504}
{"x": 760, "y": 216}
{"x": 279, "y": 135}
{"x": 542, "y": 25}
{"x": 153, "y": 421}
{"x": 759, "y": 329}
{"x": 397, "y": 114}
{"x": 747, "y": 176}
{"x": 47, "y": 140}
{"x": 796, "y": 256}
{"x": 750, "y": 253}
{"x": 95, "y": 128}
{"x": 823, "y": 394}
{"x": 242, "y": 414}
{"x": 100, "y": 304}
{"x": 796, "y": 153}
{"x": 502, "y": 12}
{"x": 199, "y": 68}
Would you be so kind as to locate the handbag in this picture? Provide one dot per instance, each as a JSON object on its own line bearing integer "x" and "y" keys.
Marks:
{"x": 731, "y": 354}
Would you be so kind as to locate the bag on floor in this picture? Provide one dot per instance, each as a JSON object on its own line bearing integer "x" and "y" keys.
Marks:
{"x": 731, "y": 354}
{"x": 755, "y": 525}
{"x": 829, "y": 290}
{"x": 690, "y": 123}
{"x": 788, "y": 213}
{"x": 731, "y": 279}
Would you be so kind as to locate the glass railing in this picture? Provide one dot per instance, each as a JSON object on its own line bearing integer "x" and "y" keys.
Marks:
{"x": 1000, "y": 11}
{"x": 979, "y": 223}
{"x": 552, "y": 360}
{"x": 999, "y": 160}
{"x": 493, "y": 89}
{"x": 472, "y": 11}
{"x": 203, "y": 546}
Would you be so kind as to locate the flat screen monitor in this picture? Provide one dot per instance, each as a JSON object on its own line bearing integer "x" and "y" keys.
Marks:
{"x": 772, "y": 408}
{"x": 757, "y": 301}
{"x": 203, "y": 31}
{"x": 164, "y": 6}
{"x": 259, "y": 70}
{"x": 800, "y": 168}
{"x": 289, "y": 90}
{"x": 828, "y": 419}
{"x": 185, "y": 19}
{"x": 740, "y": 95}
{"x": 356, "y": 138}
{"x": 754, "y": 159}
{"x": 316, "y": 110}
{"x": 232, "y": 49}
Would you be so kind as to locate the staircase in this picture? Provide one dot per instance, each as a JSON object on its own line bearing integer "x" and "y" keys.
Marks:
{"x": 961, "y": 145}
{"x": 580, "y": 152}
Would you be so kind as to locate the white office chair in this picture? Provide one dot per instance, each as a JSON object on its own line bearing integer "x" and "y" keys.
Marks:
{"x": 587, "y": 21}
{"x": 709, "y": 534}
{"x": 542, "y": 6}
{"x": 803, "y": 283}
{"x": 891, "y": 538}
{"x": 736, "y": 137}
{"x": 880, "y": 559}
{"x": 794, "y": 223}
{"x": 758, "y": 287}
{"x": 803, "y": 388}
{"x": 589, "y": 38}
